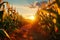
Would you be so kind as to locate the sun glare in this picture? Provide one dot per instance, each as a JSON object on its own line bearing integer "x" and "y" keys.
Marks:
{"x": 31, "y": 17}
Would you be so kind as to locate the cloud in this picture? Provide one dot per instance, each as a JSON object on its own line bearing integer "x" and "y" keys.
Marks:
{"x": 25, "y": 10}
{"x": 37, "y": 4}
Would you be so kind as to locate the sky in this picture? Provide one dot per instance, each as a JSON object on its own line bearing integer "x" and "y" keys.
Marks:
{"x": 22, "y": 6}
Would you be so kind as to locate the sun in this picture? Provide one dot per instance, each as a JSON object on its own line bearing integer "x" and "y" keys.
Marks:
{"x": 31, "y": 17}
